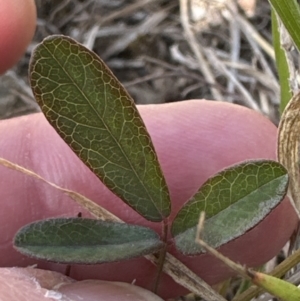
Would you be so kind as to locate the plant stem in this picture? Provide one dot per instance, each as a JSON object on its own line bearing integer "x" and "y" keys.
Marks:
{"x": 162, "y": 255}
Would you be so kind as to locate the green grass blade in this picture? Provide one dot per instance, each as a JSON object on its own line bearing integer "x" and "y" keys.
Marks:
{"x": 289, "y": 13}
{"x": 282, "y": 65}
{"x": 284, "y": 290}
{"x": 97, "y": 118}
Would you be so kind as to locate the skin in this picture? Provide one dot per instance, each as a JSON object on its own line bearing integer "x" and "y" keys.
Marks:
{"x": 17, "y": 23}
{"x": 193, "y": 139}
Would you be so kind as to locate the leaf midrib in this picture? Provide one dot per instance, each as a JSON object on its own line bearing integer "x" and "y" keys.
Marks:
{"x": 232, "y": 203}
{"x": 106, "y": 127}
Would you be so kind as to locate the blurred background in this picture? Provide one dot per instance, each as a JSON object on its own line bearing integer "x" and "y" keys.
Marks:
{"x": 164, "y": 50}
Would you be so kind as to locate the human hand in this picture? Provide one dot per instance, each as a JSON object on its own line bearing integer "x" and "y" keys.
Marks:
{"x": 193, "y": 140}
{"x": 17, "y": 26}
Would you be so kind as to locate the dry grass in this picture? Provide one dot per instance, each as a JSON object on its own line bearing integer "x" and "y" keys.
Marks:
{"x": 164, "y": 50}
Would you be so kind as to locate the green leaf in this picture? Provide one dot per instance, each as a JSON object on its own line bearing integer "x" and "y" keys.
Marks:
{"x": 234, "y": 200}
{"x": 86, "y": 241}
{"x": 289, "y": 13}
{"x": 97, "y": 118}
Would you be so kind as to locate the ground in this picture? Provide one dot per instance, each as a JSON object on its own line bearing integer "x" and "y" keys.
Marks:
{"x": 164, "y": 51}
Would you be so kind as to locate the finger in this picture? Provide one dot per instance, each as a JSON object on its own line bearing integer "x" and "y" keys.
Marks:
{"x": 105, "y": 291}
{"x": 23, "y": 284}
{"x": 17, "y": 26}
{"x": 193, "y": 140}
{"x": 18, "y": 284}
